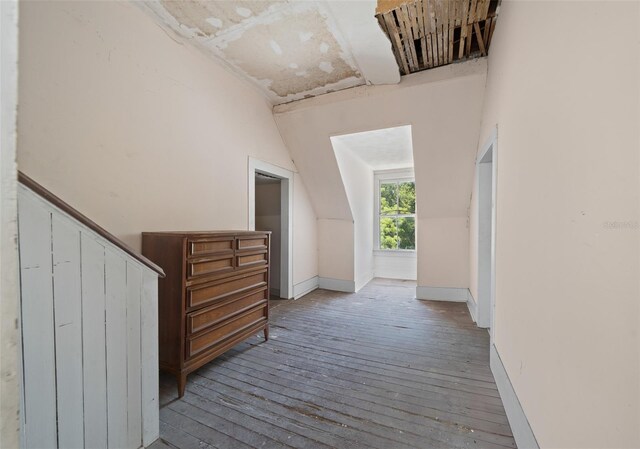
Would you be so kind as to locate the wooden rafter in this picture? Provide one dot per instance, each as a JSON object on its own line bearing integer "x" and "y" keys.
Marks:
{"x": 430, "y": 33}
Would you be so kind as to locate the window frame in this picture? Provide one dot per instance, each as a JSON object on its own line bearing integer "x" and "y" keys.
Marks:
{"x": 386, "y": 176}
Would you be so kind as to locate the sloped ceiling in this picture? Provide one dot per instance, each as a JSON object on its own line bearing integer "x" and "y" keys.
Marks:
{"x": 290, "y": 49}
{"x": 443, "y": 106}
{"x": 380, "y": 149}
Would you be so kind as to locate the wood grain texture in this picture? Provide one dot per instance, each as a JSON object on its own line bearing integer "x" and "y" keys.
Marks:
{"x": 376, "y": 369}
{"x": 205, "y": 301}
{"x": 149, "y": 358}
{"x": 67, "y": 296}
{"x": 430, "y": 33}
{"x": 134, "y": 368}
{"x": 83, "y": 303}
{"x": 116, "y": 331}
{"x": 94, "y": 343}
{"x": 38, "y": 332}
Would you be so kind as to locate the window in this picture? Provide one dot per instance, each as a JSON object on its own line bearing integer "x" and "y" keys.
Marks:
{"x": 396, "y": 213}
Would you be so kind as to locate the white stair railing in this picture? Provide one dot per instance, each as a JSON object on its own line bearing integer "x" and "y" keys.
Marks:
{"x": 89, "y": 332}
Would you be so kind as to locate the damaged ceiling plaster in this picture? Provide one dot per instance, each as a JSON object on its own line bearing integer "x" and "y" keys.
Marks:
{"x": 290, "y": 49}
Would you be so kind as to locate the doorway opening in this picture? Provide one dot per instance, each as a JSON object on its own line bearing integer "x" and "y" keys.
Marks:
{"x": 376, "y": 168}
{"x": 270, "y": 209}
{"x": 486, "y": 175}
{"x": 269, "y": 218}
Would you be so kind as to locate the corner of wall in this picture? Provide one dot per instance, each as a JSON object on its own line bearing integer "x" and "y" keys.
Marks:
{"x": 472, "y": 306}
{"x": 450, "y": 294}
{"x": 520, "y": 427}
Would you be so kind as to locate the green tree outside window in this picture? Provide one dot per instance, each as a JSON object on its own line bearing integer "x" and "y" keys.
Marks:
{"x": 397, "y": 215}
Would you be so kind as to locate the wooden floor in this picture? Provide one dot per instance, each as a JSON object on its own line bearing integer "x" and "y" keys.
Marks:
{"x": 376, "y": 369}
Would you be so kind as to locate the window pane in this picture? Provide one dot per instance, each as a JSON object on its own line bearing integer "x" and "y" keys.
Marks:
{"x": 407, "y": 198}
{"x": 388, "y": 198}
{"x": 406, "y": 233}
{"x": 388, "y": 233}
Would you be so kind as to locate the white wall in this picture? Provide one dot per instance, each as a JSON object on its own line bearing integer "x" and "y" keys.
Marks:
{"x": 336, "y": 258}
{"x": 444, "y": 107}
{"x": 567, "y": 105}
{"x": 138, "y": 131}
{"x": 9, "y": 316}
{"x": 395, "y": 266}
{"x": 269, "y": 218}
{"x": 357, "y": 178}
{"x": 305, "y": 235}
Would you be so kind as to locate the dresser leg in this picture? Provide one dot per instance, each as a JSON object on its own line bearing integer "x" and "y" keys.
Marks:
{"x": 266, "y": 333}
{"x": 182, "y": 383}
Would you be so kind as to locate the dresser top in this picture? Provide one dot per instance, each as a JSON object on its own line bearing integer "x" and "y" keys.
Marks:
{"x": 206, "y": 233}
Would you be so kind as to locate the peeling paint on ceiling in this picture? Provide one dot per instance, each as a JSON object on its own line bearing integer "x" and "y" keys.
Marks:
{"x": 210, "y": 18}
{"x": 291, "y": 49}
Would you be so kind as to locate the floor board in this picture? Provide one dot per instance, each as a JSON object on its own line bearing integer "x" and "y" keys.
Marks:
{"x": 376, "y": 369}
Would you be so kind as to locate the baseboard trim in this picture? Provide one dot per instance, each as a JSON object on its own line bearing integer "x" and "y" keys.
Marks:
{"x": 472, "y": 305}
{"x": 369, "y": 277}
{"x": 304, "y": 287}
{"x": 338, "y": 285}
{"x": 442, "y": 293}
{"x": 275, "y": 292}
{"x": 522, "y": 433}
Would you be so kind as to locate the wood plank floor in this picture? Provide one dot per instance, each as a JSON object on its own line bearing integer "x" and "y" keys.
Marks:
{"x": 376, "y": 369}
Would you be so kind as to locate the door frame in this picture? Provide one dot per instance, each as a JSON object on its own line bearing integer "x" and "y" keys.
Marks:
{"x": 286, "y": 217}
{"x": 11, "y": 416}
{"x": 486, "y": 258}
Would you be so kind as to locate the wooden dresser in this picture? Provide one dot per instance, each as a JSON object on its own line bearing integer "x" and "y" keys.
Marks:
{"x": 215, "y": 294}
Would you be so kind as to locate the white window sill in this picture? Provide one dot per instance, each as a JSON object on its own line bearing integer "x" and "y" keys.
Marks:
{"x": 395, "y": 253}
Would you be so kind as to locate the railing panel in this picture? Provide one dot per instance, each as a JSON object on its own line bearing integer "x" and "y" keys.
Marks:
{"x": 134, "y": 393}
{"x": 68, "y": 330}
{"x": 149, "y": 358}
{"x": 89, "y": 330}
{"x": 94, "y": 343}
{"x": 37, "y": 325}
{"x": 116, "y": 283}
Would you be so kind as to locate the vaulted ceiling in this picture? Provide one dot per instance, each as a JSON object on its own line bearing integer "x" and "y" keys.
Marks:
{"x": 289, "y": 49}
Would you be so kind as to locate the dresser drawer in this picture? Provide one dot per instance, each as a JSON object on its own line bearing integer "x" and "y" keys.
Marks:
{"x": 244, "y": 260}
{"x": 213, "y": 291}
{"x": 255, "y": 242}
{"x": 203, "y": 247}
{"x": 203, "y": 318}
{"x": 209, "y": 265}
{"x": 226, "y": 329}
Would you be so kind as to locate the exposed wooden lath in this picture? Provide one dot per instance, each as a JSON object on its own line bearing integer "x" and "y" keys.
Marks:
{"x": 430, "y": 33}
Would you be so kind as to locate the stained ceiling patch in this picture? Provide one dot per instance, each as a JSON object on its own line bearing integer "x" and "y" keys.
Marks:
{"x": 290, "y": 55}
{"x": 292, "y": 50}
{"x": 209, "y": 18}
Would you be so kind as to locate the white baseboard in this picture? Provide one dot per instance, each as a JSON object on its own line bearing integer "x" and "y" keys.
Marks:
{"x": 361, "y": 284}
{"x": 522, "y": 433}
{"x": 472, "y": 305}
{"x": 304, "y": 287}
{"x": 338, "y": 285}
{"x": 442, "y": 293}
{"x": 275, "y": 292}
